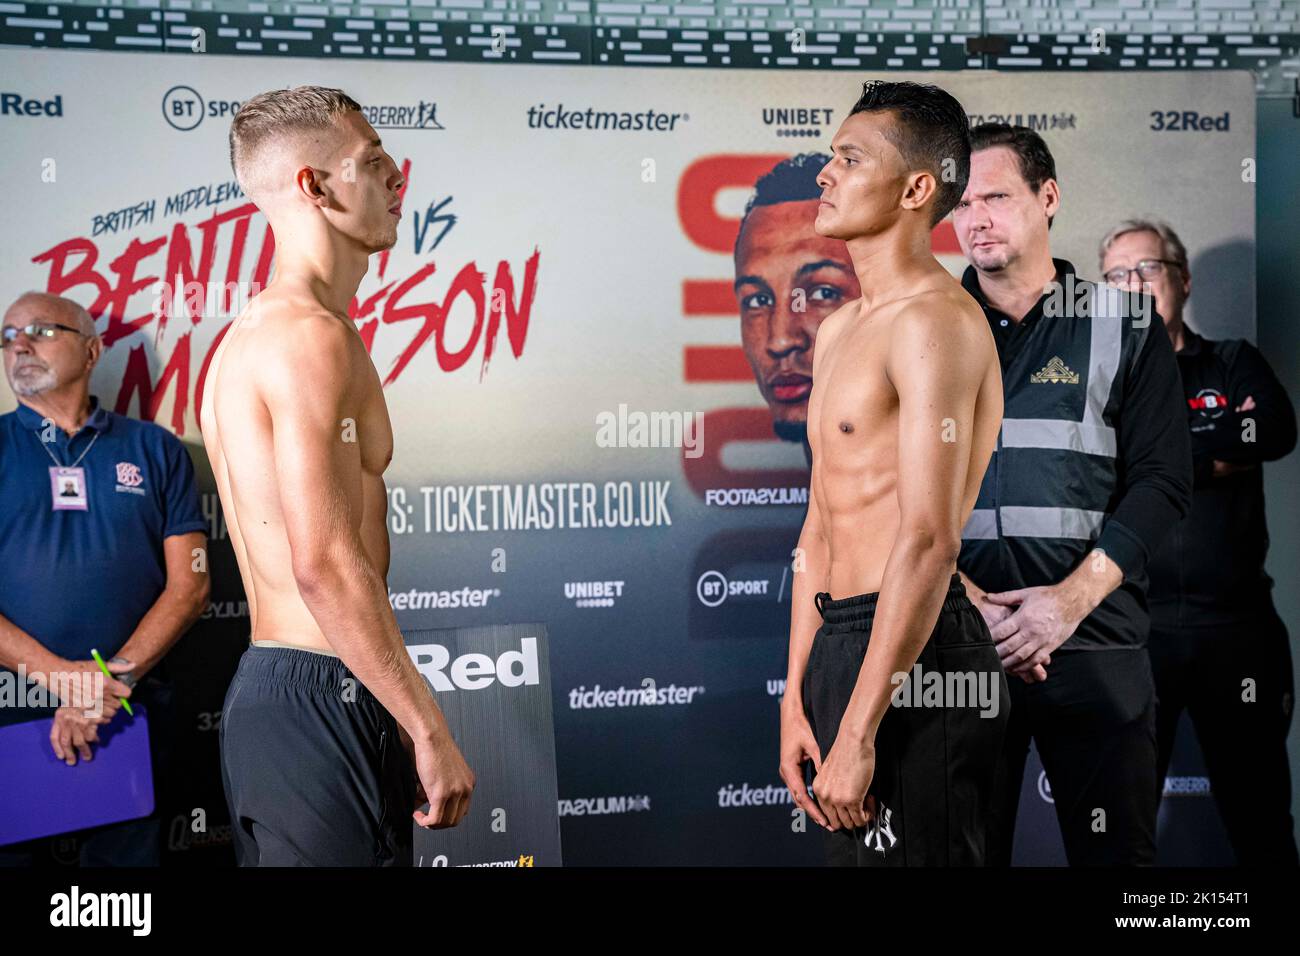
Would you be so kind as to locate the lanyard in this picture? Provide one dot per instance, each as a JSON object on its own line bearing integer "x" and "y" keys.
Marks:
{"x": 46, "y": 446}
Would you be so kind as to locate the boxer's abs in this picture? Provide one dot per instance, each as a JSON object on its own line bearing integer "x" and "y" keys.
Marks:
{"x": 861, "y": 519}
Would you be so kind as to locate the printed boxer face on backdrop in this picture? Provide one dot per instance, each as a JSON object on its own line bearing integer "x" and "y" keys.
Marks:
{"x": 34, "y": 365}
{"x": 999, "y": 216}
{"x": 788, "y": 279}
{"x": 1170, "y": 287}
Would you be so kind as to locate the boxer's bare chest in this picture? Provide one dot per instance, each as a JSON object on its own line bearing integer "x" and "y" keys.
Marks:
{"x": 853, "y": 398}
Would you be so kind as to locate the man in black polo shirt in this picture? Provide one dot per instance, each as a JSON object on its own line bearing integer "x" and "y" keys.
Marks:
{"x": 1091, "y": 469}
{"x": 1218, "y": 647}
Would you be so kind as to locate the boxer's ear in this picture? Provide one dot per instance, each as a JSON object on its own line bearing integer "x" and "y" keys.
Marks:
{"x": 920, "y": 189}
{"x": 309, "y": 183}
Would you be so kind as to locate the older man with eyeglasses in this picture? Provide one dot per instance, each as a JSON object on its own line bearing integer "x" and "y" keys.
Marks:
{"x": 1218, "y": 648}
{"x": 101, "y": 546}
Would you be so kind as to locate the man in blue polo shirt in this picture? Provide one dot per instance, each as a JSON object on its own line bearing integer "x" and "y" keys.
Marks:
{"x": 101, "y": 545}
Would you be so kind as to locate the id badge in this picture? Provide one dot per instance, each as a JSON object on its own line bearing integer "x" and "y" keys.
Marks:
{"x": 68, "y": 489}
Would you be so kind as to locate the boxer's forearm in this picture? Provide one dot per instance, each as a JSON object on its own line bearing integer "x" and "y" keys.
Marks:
{"x": 912, "y": 593}
{"x": 349, "y": 601}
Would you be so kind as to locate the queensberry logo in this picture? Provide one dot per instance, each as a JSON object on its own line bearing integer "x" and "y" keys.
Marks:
{"x": 1190, "y": 121}
{"x": 419, "y": 115}
{"x": 560, "y": 116}
{"x": 15, "y": 104}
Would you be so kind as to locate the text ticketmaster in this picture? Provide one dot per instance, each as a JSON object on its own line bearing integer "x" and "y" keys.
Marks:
{"x": 532, "y": 506}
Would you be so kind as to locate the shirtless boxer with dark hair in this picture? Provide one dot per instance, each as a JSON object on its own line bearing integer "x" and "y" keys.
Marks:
{"x": 903, "y": 417}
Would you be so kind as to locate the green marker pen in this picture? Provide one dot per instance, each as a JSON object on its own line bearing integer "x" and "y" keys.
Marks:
{"x": 104, "y": 667}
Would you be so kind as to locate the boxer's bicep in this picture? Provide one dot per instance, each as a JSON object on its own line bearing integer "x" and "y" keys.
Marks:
{"x": 309, "y": 396}
{"x": 937, "y": 386}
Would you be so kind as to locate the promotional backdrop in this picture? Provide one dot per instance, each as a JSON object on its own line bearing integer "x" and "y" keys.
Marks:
{"x": 580, "y": 439}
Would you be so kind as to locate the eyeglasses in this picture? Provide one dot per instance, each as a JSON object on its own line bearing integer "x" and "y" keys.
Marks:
{"x": 1146, "y": 269}
{"x": 41, "y": 330}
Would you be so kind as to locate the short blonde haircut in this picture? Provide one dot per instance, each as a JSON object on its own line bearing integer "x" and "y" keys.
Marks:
{"x": 274, "y": 113}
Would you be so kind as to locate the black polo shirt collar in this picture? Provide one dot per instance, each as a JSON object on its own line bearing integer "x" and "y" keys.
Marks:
{"x": 1004, "y": 326}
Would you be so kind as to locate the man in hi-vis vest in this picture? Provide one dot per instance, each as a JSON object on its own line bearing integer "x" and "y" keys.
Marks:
{"x": 1092, "y": 468}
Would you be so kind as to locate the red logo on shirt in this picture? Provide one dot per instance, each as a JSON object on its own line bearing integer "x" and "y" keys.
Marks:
{"x": 129, "y": 474}
{"x": 1210, "y": 402}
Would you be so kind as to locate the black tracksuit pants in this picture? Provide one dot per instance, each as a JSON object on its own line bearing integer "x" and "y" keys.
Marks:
{"x": 936, "y": 754}
{"x": 314, "y": 770}
{"x": 1093, "y": 721}
{"x": 1236, "y": 683}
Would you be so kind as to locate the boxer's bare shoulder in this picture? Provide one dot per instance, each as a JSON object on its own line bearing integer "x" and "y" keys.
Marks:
{"x": 943, "y": 367}
{"x": 942, "y": 334}
{"x": 289, "y": 350}
{"x": 946, "y": 320}
{"x": 319, "y": 374}
{"x": 307, "y": 348}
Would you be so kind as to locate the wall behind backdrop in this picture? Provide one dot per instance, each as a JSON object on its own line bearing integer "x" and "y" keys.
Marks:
{"x": 546, "y": 277}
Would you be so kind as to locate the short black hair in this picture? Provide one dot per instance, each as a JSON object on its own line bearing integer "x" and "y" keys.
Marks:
{"x": 1032, "y": 155}
{"x": 931, "y": 129}
{"x": 791, "y": 180}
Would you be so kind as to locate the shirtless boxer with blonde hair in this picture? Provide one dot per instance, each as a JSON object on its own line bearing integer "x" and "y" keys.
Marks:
{"x": 327, "y": 712}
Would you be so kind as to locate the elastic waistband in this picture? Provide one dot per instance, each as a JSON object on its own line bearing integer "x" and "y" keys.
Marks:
{"x": 299, "y": 668}
{"x": 309, "y": 650}
{"x": 856, "y": 613}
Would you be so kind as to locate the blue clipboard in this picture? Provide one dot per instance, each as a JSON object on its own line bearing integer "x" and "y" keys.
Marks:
{"x": 40, "y": 795}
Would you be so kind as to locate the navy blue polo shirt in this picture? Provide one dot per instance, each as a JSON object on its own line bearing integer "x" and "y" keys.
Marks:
{"x": 77, "y": 579}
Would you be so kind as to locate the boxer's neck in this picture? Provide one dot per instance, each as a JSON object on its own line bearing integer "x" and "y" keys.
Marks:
{"x": 327, "y": 263}
{"x": 890, "y": 264}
